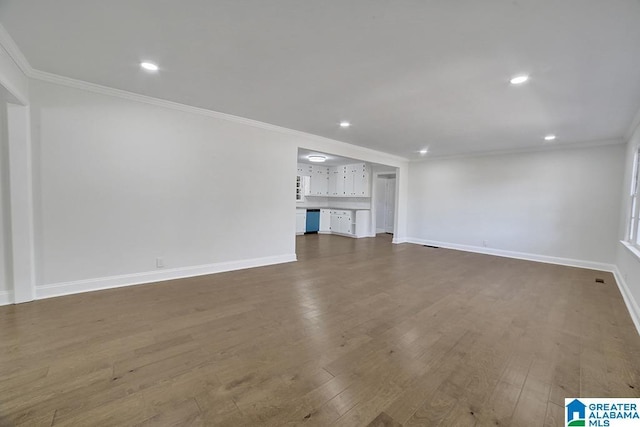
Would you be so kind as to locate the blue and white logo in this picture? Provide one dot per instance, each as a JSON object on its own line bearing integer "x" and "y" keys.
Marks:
{"x": 623, "y": 412}
{"x": 576, "y": 413}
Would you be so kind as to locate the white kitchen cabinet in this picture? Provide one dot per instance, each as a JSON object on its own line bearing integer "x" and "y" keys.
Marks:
{"x": 319, "y": 181}
{"x": 353, "y": 223}
{"x": 325, "y": 221}
{"x": 361, "y": 181}
{"x": 340, "y": 183}
{"x": 337, "y": 181}
{"x": 301, "y": 221}
{"x": 356, "y": 180}
{"x": 305, "y": 170}
{"x": 348, "y": 184}
{"x": 334, "y": 223}
{"x": 347, "y": 225}
{"x": 362, "y": 223}
{"x": 342, "y": 222}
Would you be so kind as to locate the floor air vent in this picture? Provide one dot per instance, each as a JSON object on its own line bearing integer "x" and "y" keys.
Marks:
{"x": 598, "y": 280}
{"x": 429, "y": 246}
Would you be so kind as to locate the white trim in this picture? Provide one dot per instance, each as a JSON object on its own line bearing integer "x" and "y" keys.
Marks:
{"x": 630, "y": 302}
{"x": 6, "y": 297}
{"x": 21, "y": 203}
{"x": 534, "y": 149}
{"x": 108, "y": 91}
{"x": 10, "y": 46}
{"x": 100, "y": 283}
{"x": 7, "y": 42}
{"x": 15, "y": 95}
{"x": 517, "y": 255}
{"x": 397, "y": 241}
{"x": 635, "y": 251}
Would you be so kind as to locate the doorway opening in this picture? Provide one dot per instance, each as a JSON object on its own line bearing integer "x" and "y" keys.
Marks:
{"x": 337, "y": 197}
{"x": 385, "y": 202}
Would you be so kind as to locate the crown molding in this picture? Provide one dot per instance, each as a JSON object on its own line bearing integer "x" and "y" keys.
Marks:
{"x": 131, "y": 96}
{"x": 7, "y": 42}
{"x": 545, "y": 147}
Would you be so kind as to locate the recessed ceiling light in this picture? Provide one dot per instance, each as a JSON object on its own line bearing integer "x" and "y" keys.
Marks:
{"x": 423, "y": 151}
{"x": 549, "y": 137}
{"x": 317, "y": 159}
{"x": 518, "y": 80}
{"x": 345, "y": 124}
{"x": 149, "y": 66}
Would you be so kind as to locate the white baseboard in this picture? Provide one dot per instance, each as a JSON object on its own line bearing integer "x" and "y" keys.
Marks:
{"x": 517, "y": 255}
{"x": 6, "y": 297}
{"x": 398, "y": 240}
{"x": 78, "y": 286}
{"x": 631, "y": 303}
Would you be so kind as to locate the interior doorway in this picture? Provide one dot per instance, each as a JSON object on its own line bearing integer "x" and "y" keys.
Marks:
{"x": 385, "y": 202}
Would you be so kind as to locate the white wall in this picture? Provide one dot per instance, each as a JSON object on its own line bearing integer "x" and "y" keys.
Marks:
{"x": 559, "y": 204}
{"x": 120, "y": 179}
{"x": 14, "y": 88}
{"x": 5, "y": 286}
{"x": 628, "y": 263}
{"x": 121, "y": 183}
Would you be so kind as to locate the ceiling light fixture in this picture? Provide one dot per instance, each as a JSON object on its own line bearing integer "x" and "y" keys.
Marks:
{"x": 423, "y": 151}
{"x": 149, "y": 66}
{"x": 518, "y": 80}
{"x": 317, "y": 159}
{"x": 345, "y": 124}
{"x": 549, "y": 137}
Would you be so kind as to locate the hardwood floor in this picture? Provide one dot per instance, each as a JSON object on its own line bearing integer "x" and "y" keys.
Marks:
{"x": 358, "y": 332}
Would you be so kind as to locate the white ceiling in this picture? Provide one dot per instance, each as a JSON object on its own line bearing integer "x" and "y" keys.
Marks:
{"x": 332, "y": 159}
{"x": 407, "y": 73}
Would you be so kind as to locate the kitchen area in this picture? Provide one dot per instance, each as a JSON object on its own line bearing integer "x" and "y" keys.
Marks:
{"x": 334, "y": 195}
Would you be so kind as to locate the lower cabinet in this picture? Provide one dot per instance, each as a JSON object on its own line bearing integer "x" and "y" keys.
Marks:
{"x": 362, "y": 223}
{"x": 301, "y": 221}
{"x": 342, "y": 222}
{"x": 325, "y": 221}
{"x": 354, "y": 223}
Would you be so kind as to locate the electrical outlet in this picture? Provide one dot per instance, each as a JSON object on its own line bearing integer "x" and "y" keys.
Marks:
{"x": 484, "y": 243}
{"x": 159, "y": 263}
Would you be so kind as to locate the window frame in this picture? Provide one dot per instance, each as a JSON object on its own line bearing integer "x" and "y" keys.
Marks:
{"x": 632, "y": 235}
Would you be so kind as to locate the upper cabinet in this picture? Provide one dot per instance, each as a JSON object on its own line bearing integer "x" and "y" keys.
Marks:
{"x": 305, "y": 170}
{"x": 361, "y": 181}
{"x": 319, "y": 180}
{"x": 338, "y": 181}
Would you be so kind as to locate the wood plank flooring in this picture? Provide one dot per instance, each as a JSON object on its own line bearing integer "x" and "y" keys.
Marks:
{"x": 358, "y": 332}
